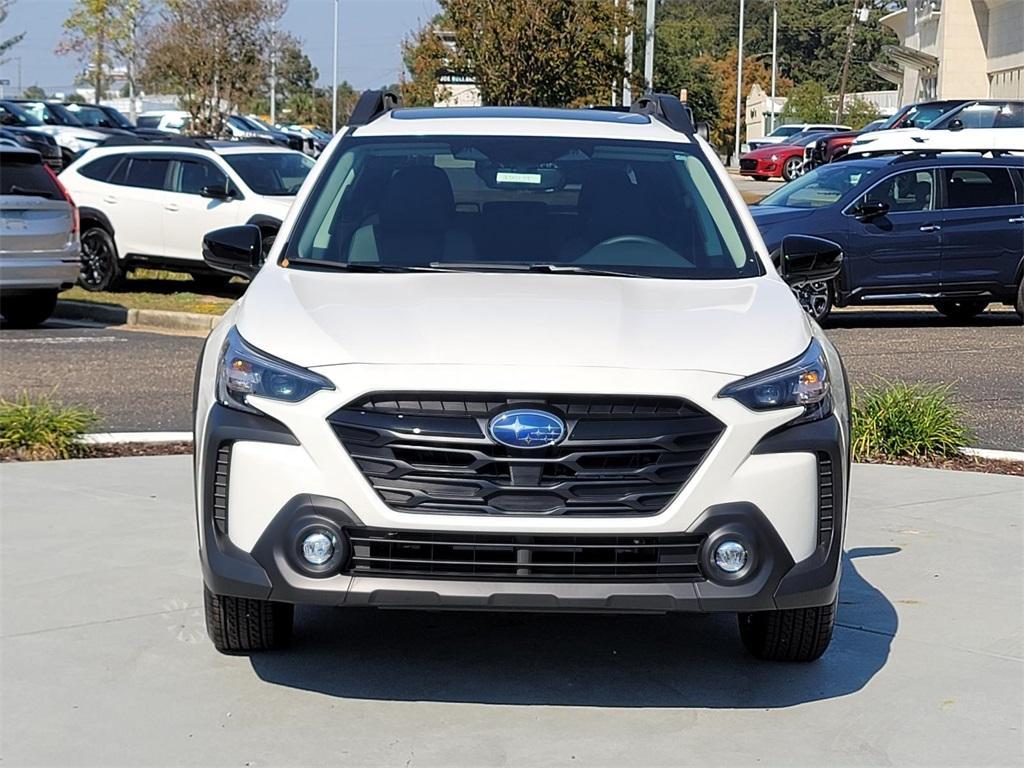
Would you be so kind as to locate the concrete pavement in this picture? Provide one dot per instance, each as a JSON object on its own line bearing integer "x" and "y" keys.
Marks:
{"x": 105, "y": 660}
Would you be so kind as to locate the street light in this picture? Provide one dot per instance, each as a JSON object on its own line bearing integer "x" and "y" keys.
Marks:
{"x": 334, "y": 89}
{"x": 775, "y": 51}
{"x": 739, "y": 88}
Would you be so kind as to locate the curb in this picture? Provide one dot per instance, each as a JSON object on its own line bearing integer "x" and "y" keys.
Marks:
{"x": 147, "y": 318}
{"x": 988, "y": 453}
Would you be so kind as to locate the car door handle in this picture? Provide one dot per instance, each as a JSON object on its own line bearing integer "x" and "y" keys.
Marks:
{"x": 172, "y": 207}
{"x": 930, "y": 228}
{"x": 110, "y": 199}
{"x": 1017, "y": 220}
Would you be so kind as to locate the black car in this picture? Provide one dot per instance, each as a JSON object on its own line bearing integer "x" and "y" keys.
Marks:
{"x": 941, "y": 229}
{"x": 21, "y": 128}
{"x": 103, "y": 117}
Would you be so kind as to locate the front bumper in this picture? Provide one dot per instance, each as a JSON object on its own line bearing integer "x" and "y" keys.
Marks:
{"x": 270, "y": 569}
{"x": 759, "y": 167}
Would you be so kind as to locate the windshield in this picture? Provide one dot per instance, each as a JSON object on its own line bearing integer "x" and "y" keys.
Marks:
{"x": 918, "y": 116}
{"x": 499, "y": 203}
{"x": 820, "y": 187}
{"x": 271, "y": 173}
{"x": 12, "y": 114}
{"x": 116, "y": 118}
{"x": 90, "y": 116}
{"x": 785, "y": 130}
{"x": 52, "y": 114}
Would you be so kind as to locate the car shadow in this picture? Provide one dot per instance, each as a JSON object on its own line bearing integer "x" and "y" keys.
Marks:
{"x": 904, "y": 318}
{"x": 681, "y": 660}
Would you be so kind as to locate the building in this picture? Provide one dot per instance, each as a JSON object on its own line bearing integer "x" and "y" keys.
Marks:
{"x": 454, "y": 89}
{"x": 956, "y": 49}
{"x": 759, "y": 108}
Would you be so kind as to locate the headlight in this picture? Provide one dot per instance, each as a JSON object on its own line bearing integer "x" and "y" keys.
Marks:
{"x": 245, "y": 371}
{"x": 804, "y": 381}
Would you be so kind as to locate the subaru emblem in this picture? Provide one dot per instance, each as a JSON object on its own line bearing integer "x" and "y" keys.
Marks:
{"x": 524, "y": 428}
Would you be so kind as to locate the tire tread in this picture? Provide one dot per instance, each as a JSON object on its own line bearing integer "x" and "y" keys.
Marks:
{"x": 798, "y": 634}
{"x": 244, "y": 625}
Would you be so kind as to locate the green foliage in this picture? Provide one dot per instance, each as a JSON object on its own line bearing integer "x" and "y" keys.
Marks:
{"x": 10, "y": 42}
{"x": 900, "y": 420}
{"x": 809, "y": 103}
{"x": 41, "y": 428}
{"x": 859, "y": 113}
{"x": 530, "y": 52}
{"x": 33, "y": 92}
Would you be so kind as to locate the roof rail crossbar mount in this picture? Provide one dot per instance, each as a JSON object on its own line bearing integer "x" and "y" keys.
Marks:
{"x": 371, "y": 105}
{"x": 667, "y": 108}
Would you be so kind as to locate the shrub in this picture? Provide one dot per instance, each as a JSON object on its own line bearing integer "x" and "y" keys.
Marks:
{"x": 41, "y": 428}
{"x": 908, "y": 420}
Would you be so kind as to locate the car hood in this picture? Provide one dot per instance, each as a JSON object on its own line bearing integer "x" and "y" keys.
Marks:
{"x": 765, "y": 215}
{"x": 765, "y": 153}
{"x": 316, "y": 318}
{"x": 73, "y": 130}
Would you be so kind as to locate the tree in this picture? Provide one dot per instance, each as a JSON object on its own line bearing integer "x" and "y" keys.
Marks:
{"x": 532, "y": 52}
{"x": 724, "y": 73}
{"x": 425, "y": 58}
{"x": 34, "y": 92}
{"x": 809, "y": 103}
{"x": 10, "y": 42}
{"x": 75, "y": 98}
{"x": 212, "y": 53}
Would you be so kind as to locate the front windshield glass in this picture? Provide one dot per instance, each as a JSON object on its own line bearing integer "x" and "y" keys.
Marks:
{"x": 271, "y": 173}
{"x": 918, "y": 116}
{"x": 785, "y": 130}
{"x": 90, "y": 116}
{"x": 822, "y": 186}
{"x": 53, "y": 114}
{"x": 487, "y": 202}
{"x": 12, "y": 114}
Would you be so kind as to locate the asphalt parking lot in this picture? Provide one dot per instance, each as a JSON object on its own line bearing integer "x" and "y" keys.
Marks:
{"x": 105, "y": 659}
{"x": 143, "y": 381}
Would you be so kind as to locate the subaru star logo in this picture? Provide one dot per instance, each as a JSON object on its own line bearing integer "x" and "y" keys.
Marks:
{"x": 526, "y": 429}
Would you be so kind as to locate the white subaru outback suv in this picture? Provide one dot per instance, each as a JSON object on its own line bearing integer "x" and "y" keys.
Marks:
{"x": 149, "y": 203}
{"x": 521, "y": 359}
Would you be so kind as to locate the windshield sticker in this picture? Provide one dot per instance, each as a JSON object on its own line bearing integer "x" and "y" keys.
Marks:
{"x": 509, "y": 177}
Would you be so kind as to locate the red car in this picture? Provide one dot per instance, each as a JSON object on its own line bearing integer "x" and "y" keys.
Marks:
{"x": 783, "y": 160}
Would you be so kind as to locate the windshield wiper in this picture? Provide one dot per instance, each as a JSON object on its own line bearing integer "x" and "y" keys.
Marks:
{"x": 505, "y": 266}
{"x": 358, "y": 266}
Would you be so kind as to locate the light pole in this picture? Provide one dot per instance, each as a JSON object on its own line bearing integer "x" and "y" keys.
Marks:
{"x": 739, "y": 89}
{"x": 627, "y": 86}
{"x": 334, "y": 89}
{"x": 775, "y": 51}
{"x": 649, "y": 46}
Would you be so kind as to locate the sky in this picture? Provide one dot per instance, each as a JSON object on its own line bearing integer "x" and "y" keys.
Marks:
{"x": 370, "y": 33}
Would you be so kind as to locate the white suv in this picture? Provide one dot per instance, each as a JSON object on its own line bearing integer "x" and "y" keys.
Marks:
{"x": 521, "y": 359}
{"x": 150, "y": 203}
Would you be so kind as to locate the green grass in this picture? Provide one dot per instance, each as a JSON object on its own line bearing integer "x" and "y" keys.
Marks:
{"x": 42, "y": 429}
{"x": 900, "y": 420}
{"x": 159, "y": 289}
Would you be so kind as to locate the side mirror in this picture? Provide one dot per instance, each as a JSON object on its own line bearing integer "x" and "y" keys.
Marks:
{"x": 703, "y": 129}
{"x": 956, "y": 125}
{"x": 235, "y": 250}
{"x": 215, "y": 192}
{"x": 870, "y": 209}
{"x": 806, "y": 259}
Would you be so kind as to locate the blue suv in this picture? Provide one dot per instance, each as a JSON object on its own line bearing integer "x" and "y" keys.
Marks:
{"x": 940, "y": 229}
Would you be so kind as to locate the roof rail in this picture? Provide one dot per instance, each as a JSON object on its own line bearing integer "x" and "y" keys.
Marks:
{"x": 670, "y": 110}
{"x": 118, "y": 140}
{"x": 373, "y": 104}
{"x": 909, "y": 155}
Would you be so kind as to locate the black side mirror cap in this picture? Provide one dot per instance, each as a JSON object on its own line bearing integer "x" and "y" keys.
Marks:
{"x": 234, "y": 250}
{"x": 956, "y": 125}
{"x": 870, "y": 210}
{"x": 703, "y": 129}
{"x": 215, "y": 192}
{"x": 807, "y": 259}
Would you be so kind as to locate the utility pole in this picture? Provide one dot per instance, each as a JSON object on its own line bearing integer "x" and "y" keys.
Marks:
{"x": 649, "y": 46}
{"x": 739, "y": 88}
{"x": 846, "y": 61}
{"x": 775, "y": 51}
{"x": 273, "y": 70}
{"x": 627, "y": 86}
{"x": 334, "y": 89}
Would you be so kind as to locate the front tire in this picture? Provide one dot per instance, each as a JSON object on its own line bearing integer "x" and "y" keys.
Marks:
{"x": 817, "y": 299}
{"x": 798, "y": 634}
{"x": 791, "y": 168}
{"x": 101, "y": 270}
{"x": 244, "y": 625}
{"x": 961, "y": 309}
{"x": 1019, "y": 306}
{"x": 28, "y": 310}
{"x": 761, "y": 178}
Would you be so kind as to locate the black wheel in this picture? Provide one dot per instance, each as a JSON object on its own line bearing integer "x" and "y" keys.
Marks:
{"x": 799, "y": 634}
{"x": 67, "y": 157}
{"x": 1019, "y": 306}
{"x": 101, "y": 270}
{"x": 761, "y": 178}
{"x": 211, "y": 283}
{"x": 244, "y": 625}
{"x": 815, "y": 298}
{"x": 961, "y": 309}
{"x": 791, "y": 168}
{"x": 29, "y": 309}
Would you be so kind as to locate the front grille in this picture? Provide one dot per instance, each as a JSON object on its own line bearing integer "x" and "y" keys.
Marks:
{"x": 826, "y": 499}
{"x": 220, "y": 487}
{"x": 748, "y": 165}
{"x": 517, "y": 557}
{"x": 430, "y": 454}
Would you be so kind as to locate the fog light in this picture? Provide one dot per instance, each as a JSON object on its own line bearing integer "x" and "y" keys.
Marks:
{"x": 318, "y": 548}
{"x": 730, "y": 556}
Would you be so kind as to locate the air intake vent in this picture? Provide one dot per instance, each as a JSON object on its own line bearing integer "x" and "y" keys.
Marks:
{"x": 517, "y": 557}
{"x": 430, "y": 453}
{"x": 220, "y": 488}
{"x": 826, "y": 499}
